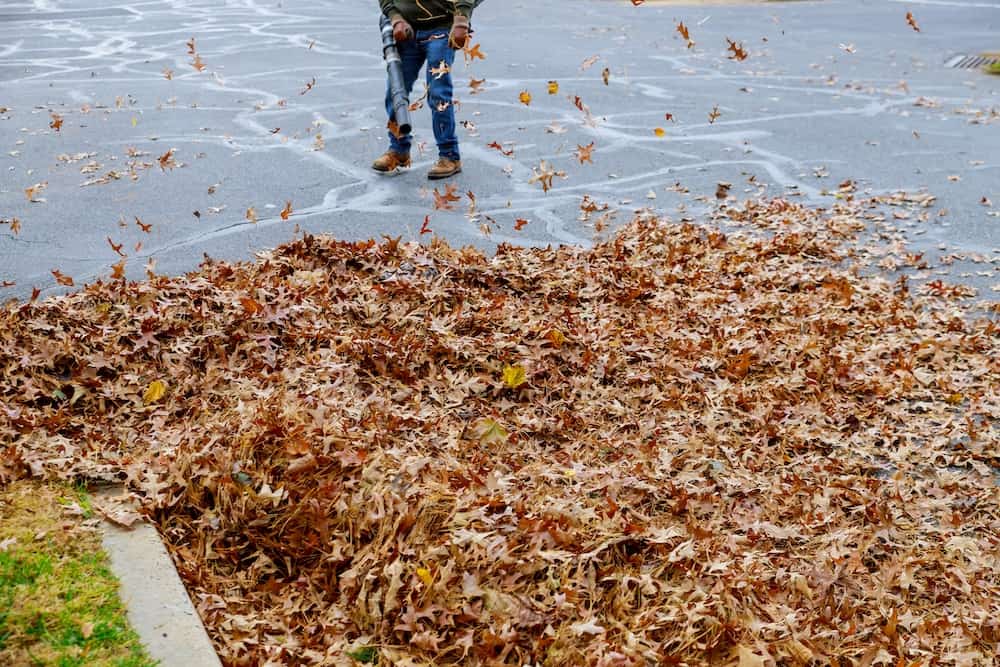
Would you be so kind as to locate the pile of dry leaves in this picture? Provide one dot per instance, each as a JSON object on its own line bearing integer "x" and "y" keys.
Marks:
{"x": 677, "y": 448}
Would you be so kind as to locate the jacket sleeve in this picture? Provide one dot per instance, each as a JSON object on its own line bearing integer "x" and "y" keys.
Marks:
{"x": 389, "y": 8}
{"x": 464, "y": 7}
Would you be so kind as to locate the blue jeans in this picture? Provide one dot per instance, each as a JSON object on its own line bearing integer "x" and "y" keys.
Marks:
{"x": 430, "y": 47}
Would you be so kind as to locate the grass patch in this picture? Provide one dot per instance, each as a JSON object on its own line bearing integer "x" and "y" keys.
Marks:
{"x": 993, "y": 69}
{"x": 59, "y": 601}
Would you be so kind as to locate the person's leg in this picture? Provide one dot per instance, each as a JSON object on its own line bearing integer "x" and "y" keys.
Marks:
{"x": 412, "y": 54}
{"x": 440, "y": 93}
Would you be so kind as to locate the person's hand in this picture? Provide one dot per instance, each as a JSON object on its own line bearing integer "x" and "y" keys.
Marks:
{"x": 459, "y": 36}
{"x": 401, "y": 30}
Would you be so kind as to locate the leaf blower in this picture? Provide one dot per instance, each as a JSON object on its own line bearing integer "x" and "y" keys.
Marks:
{"x": 397, "y": 87}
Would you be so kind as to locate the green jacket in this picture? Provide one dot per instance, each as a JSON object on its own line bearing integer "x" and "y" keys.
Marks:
{"x": 427, "y": 13}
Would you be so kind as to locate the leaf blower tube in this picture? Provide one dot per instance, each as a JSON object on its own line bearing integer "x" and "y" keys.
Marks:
{"x": 397, "y": 87}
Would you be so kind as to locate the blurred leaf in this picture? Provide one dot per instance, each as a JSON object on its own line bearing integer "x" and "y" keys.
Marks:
{"x": 489, "y": 432}
{"x": 154, "y": 392}
{"x": 366, "y": 655}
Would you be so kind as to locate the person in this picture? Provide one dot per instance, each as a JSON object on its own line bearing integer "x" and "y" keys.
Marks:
{"x": 428, "y": 31}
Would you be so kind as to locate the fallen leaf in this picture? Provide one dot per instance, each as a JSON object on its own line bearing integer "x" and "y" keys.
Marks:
{"x": 586, "y": 628}
{"x": 154, "y": 392}
{"x": 748, "y": 658}
{"x": 514, "y": 376}
{"x": 498, "y": 147}
{"x": 443, "y": 200}
{"x": 489, "y": 432}
{"x": 167, "y": 160}
{"x": 543, "y": 174}
{"x": 15, "y": 225}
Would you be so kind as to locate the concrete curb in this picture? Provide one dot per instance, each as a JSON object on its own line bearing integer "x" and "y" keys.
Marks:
{"x": 156, "y": 602}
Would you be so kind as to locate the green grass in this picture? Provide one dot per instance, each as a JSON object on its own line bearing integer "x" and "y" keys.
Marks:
{"x": 993, "y": 69}
{"x": 59, "y": 602}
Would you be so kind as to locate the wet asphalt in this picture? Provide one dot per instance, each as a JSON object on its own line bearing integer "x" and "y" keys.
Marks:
{"x": 288, "y": 108}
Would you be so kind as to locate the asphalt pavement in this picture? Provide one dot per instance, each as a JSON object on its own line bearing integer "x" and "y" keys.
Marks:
{"x": 111, "y": 116}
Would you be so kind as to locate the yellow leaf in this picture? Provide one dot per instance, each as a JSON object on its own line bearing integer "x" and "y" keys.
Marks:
{"x": 556, "y": 337}
{"x": 154, "y": 392}
{"x": 660, "y": 132}
{"x": 135, "y": 121}
{"x": 553, "y": 87}
{"x": 514, "y": 376}
{"x": 488, "y": 431}
{"x": 525, "y": 97}
{"x": 425, "y": 576}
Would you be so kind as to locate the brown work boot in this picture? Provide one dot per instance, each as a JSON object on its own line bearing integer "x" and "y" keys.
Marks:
{"x": 444, "y": 168}
{"x": 390, "y": 162}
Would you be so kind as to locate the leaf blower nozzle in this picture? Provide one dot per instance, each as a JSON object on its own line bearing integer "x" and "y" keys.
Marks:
{"x": 397, "y": 86}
